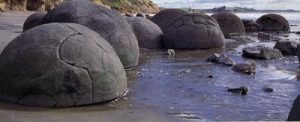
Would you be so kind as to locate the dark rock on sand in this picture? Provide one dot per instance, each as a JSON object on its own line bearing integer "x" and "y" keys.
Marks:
{"x": 33, "y": 20}
{"x": 194, "y": 31}
{"x": 268, "y": 89}
{"x": 148, "y": 34}
{"x": 273, "y": 22}
{"x": 247, "y": 68}
{"x": 221, "y": 59}
{"x": 287, "y": 47}
{"x": 251, "y": 26}
{"x": 242, "y": 90}
{"x": 265, "y": 53}
{"x": 295, "y": 111}
{"x": 107, "y": 23}
{"x": 165, "y": 17}
{"x": 60, "y": 65}
{"x": 229, "y": 23}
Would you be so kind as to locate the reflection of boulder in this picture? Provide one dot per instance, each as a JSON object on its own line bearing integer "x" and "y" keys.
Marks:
{"x": 295, "y": 111}
{"x": 273, "y": 22}
{"x": 229, "y": 23}
{"x": 109, "y": 24}
{"x": 148, "y": 34}
{"x": 60, "y": 65}
{"x": 194, "y": 31}
{"x": 33, "y": 20}
{"x": 165, "y": 17}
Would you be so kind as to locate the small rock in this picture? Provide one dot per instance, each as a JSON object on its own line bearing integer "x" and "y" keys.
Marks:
{"x": 242, "y": 90}
{"x": 265, "y": 53}
{"x": 247, "y": 68}
{"x": 128, "y": 15}
{"x": 298, "y": 32}
{"x": 293, "y": 25}
{"x": 264, "y": 36}
{"x": 268, "y": 89}
{"x": 221, "y": 59}
{"x": 171, "y": 52}
{"x": 210, "y": 76}
{"x": 286, "y": 47}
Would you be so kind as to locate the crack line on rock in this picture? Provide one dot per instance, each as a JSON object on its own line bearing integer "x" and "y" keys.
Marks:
{"x": 74, "y": 64}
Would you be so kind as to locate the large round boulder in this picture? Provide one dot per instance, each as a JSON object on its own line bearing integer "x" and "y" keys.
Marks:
{"x": 56, "y": 65}
{"x": 33, "y": 20}
{"x": 111, "y": 25}
{"x": 165, "y": 17}
{"x": 273, "y": 22}
{"x": 194, "y": 31}
{"x": 230, "y": 24}
{"x": 149, "y": 35}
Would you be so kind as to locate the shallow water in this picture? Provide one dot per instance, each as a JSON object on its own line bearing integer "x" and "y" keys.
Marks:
{"x": 177, "y": 88}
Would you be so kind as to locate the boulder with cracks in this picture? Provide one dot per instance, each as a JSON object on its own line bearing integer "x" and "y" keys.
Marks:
{"x": 109, "y": 24}
{"x": 58, "y": 65}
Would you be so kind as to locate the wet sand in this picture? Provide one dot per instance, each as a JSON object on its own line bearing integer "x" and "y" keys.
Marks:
{"x": 176, "y": 88}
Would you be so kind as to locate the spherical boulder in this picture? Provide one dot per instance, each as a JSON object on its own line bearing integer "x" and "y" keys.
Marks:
{"x": 165, "y": 17}
{"x": 111, "y": 25}
{"x": 273, "y": 22}
{"x": 230, "y": 24}
{"x": 58, "y": 65}
{"x": 149, "y": 35}
{"x": 194, "y": 31}
{"x": 33, "y": 20}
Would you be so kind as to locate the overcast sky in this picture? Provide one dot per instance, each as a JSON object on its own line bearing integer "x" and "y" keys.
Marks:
{"x": 257, "y": 4}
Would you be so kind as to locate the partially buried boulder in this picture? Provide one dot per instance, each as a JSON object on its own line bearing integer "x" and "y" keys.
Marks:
{"x": 109, "y": 24}
{"x": 295, "y": 111}
{"x": 149, "y": 35}
{"x": 264, "y": 53}
{"x": 194, "y": 31}
{"x": 229, "y": 23}
{"x": 56, "y": 65}
{"x": 286, "y": 47}
{"x": 273, "y": 22}
{"x": 33, "y": 20}
{"x": 165, "y": 17}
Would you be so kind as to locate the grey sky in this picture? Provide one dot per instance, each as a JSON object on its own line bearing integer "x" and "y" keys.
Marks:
{"x": 257, "y": 4}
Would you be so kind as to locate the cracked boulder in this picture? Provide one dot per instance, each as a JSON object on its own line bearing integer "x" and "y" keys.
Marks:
{"x": 259, "y": 52}
{"x": 273, "y": 22}
{"x": 58, "y": 65}
{"x": 194, "y": 31}
{"x": 149, "y": 35}
{"x": 33, "y": 20}
{"x": 165, "y": 17}
{"x": 107, "y": 23}
{"x": 229, "y": 23}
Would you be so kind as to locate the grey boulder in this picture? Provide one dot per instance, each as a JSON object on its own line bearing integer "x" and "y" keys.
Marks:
{"x": 264, "y": 53}
{"x": 107, "y": 23}
{"x": 273, "y": 22}
{"x": 221, "y": 59}
{"x": 246, "y": 68}
{"x": 287, "y": 47}
{"x": 33, "y": 20}
{"x": 58, "y": 65}
{"x": 148, "y": 34}
{"x": 194, "y": 31}
{"x": 165, "y": 17}
{"x": 229, "y": 23}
